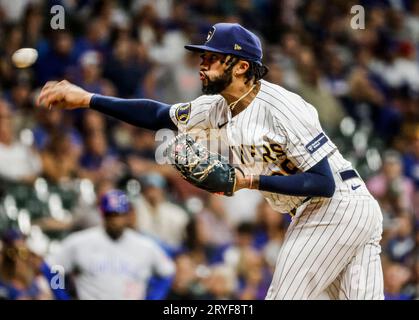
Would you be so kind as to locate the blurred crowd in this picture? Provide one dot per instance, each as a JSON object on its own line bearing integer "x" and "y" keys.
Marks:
{"x": 55, "y": 165}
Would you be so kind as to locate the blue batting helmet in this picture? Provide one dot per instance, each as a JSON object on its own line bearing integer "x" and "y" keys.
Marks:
{"x": 115, "y": 202}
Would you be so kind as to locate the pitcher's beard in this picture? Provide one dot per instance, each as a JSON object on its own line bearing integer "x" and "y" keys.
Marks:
{"x": 218, "y": 85}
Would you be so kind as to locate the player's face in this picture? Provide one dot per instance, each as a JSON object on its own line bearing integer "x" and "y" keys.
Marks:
{"x": 115, "y": 225}
{"x": 213, "y": 74}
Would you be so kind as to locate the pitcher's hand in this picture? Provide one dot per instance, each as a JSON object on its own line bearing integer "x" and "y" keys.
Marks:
{"x": 63, "y": 95}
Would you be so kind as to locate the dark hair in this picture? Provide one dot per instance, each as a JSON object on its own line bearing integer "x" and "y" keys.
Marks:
{"x": 245, "y": 228}
{"x": 256, "y": 71}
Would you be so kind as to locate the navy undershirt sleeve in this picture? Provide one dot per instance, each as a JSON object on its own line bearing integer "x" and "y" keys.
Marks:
{"x": 316, "y": 182}
{"x": 145, "y": 113}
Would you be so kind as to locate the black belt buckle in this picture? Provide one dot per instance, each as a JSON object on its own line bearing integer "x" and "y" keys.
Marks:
{"x": 348, "y": 174}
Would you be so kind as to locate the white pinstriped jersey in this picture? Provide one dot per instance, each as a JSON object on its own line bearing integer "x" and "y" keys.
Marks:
{"x": 277, "y": 134}
{"x": 331, "y": 247}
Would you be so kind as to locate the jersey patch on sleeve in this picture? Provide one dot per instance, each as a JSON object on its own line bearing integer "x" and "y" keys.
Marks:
{"x": 316, "y": 143}
{"x": 183, "y": 113}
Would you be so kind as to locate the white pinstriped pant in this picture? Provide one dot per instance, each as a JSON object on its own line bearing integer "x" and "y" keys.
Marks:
{"x": 332, "y": 246}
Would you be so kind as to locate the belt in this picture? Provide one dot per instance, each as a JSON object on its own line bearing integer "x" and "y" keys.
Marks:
{"x": 345, "y": 175}
{"x": 348, "y": 174}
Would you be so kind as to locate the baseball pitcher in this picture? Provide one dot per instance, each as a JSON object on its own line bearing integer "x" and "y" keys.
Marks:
{"x": 277, "y": 146}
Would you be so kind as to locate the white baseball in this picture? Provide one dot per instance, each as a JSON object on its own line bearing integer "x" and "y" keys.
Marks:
{"x": 24, "y": 57}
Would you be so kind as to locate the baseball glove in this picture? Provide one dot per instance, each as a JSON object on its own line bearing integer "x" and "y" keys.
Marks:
{"x": 204, "y": 169}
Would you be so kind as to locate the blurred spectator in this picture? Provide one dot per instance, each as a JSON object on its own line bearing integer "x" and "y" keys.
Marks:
{"x": 271, "y": 228}
{"x": 414, "y": 283}
{"x": 395, "y": 278}
{"x": 92, "y": 122}
{"x": 310, "y": 88}
{"x": 179, "y": 82}
{"x": 26, "y": 162}
{"x": 187, "y": 282}
{"x": 90, "y": 74}
{"x": 14, "y": 10}
{"x": 275, "y": 75}
{"x": 96, "y": 38}
{"x": 254, "y": 276}
{"x": 124, "y": 69}
{"x": 23, "y": 273}
{"x": 56, "y": 60}
{"x": 335, "y": 80}
{"x": 156, "y": 215}
{"x": 48, "y": 123}
{"x": 59, "y": 159}
{"x": 146, "y": 22}
{"x": 167, "y": 47}
{"x": 113, "y": 261}
{"x": 20, "y": 93}
{"x": 221, "y": 283}
{"x": 98, "y": 161}
{"x": 33, "y": 23}
{"x": 244, "y": 239}
{"x": 411, "y": 159}
{"x": 143, "y": 145}
{"x": 163, "y": 8}
{"x": 86, "y": 212}
{"x": 242, "y": 207}
{"x": 216, "y": 229}
{"x": 39, "y": 245}
{"x": 398, "y": 67}
{"x": 400, "y": 247}
{"x": 393, "y": 191}
{"x": 197, "y": 246}
{"x": 367, "y": 103}
{"x": 412, "y": 22}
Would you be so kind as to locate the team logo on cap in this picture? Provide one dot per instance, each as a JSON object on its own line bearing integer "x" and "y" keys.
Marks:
{"x": 183, "y": 113}
{"x": 237, "y": 47}
{"x": 210, "y": 34}
{"x": 113, "y": 201}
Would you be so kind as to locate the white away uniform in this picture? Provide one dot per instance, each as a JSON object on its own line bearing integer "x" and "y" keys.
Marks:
{"x": 112, "y": 270}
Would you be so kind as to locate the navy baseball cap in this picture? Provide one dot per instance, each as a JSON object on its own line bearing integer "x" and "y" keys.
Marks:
{"x": 114, "y": 202}
{"x": 231, "y": 38}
